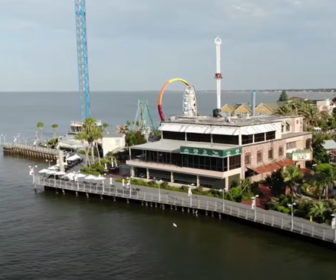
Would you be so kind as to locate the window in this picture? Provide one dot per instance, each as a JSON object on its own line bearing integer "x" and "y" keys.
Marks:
{"x": 270, "y": 153}
{"x": 287, "y": 126}
{"x": 173, "y": 135}
{"x": 235, "y": 162}
{"x": 259, "y": 137}
{"x": 270, "y": 135}
{"x": 247, "y": 139}
{"x": 198, "y": 137}
{"x": 248, "y": 158}
{"x": 281, "y": 151}
{"x": 225, "y": 139}
{"x": 291, "y": 145}
{"x": 308, "y": 143}
{"x": 259, "y": 156}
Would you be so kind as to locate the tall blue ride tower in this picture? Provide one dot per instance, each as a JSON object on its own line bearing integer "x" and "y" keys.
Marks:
{"x": 82, "y": 58}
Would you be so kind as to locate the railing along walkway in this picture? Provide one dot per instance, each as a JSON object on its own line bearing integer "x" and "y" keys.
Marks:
{"x": 196, "y": 202}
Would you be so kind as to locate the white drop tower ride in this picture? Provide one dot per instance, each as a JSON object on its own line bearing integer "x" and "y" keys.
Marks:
{"x": 218, "y": 75}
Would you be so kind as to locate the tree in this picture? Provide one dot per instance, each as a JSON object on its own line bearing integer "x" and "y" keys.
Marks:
{"x": 90, "y": 133}
{"x": 283, "y": 96}
{"x": 40, "y": 126}
{"x": 318, "y": 211}
{"x": 276, "y": 182}
{"x": 54, "y": 128}
{"x": 292, "y": 175}
{"x": 320, "y": 154}
{"x": 326, "y": 174}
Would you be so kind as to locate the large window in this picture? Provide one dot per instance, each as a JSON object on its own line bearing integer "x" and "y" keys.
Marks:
{"x": 259, "y": 137}
{"x": 173, "y": 135}
{"x": 270, "y": 135}
{"x": 235, "y": 162}
{"x": 138, "y": 154}
{"x": 198, "y": 137}
{"x": 225, "y": 139}
{"x": 209, "y": 163}
{"x": 247, "y": 139}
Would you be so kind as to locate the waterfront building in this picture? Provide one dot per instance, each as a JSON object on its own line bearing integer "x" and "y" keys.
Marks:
{"x": 217, "y": 152}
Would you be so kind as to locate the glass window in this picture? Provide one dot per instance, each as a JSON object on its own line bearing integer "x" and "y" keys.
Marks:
{"x": 270, "y": 153}
{"x": 247, "y": 139}
{"x": 259, "y": 156}
{"x": 225, "y": 139}
{"x": 259, "y": 137}
{"x": 270, "y": 135}
{"x": 235, "y": 162}
{"x": 281, "y": 151}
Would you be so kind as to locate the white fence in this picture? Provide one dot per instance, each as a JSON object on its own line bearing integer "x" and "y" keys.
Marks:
{"x": 197, "y": 202}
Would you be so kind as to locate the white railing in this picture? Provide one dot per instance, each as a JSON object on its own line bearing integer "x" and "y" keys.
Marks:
{"x": 197, "y": 202}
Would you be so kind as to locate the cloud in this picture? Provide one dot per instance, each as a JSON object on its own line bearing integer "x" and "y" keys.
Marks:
{"x": 278, "y": 43}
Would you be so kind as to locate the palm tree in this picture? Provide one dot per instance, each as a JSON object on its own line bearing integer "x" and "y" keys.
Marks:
{"x": 318, "y": 188}
{"x": 245, "y": 185}
{"x": 40, "y": 126}
{"x": 292, "y": 174}
{"x": 90, "y": 133}
{"x": 326, "y": 175}
{"x": 54, "y": 128}
{"x": 318, "y": 210}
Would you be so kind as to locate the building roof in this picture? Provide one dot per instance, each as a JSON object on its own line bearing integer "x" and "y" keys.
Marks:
{"x": 167, "y": 145}
{"x": 274, "y": 166}
{"x": 234, "y": 121}
{"x": 329, "y": 145}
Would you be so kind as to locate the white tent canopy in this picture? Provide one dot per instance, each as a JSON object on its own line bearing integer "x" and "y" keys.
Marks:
{"x": 74, "y": 157}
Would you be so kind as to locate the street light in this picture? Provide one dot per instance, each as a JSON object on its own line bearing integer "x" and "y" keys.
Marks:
{"x": 160, "y": 190}
{"x": 254, "y": 206}
{"x": 291, "y": 205}
{"x": 223, "y": 198}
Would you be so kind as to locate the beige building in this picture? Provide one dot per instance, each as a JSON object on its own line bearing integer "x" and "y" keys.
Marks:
{"x": 217, "y": 152}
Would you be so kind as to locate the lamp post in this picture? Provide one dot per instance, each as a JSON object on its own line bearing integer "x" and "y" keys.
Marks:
{"x": 104, "y": 183}
{"x": 254, "y": 206}
{"x": 291, "y": 205}
{"x": 160, "y": 190}
{"x": 333, "y": 225}
{"x": 223, "y": 199}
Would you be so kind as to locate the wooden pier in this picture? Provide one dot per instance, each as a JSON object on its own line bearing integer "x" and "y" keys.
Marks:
{"x": 194, "y": 204}
{"x": 30, "y": 151}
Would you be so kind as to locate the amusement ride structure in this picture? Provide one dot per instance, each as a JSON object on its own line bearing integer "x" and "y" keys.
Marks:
{"x": 82, "y": 59}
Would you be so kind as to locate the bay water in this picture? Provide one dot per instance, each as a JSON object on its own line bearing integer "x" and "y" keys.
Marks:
{"x": 48, "y": 236}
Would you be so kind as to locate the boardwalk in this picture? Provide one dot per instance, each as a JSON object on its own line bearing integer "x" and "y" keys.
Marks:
{"x": 194, "y": 203}
{"x": 31, "y": 151}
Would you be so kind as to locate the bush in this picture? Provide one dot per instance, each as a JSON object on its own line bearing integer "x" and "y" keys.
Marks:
{"x": 237, "y": 194}
{"x": 283, "y": 209}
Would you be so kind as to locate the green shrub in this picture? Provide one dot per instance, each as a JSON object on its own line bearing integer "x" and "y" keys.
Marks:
{"x": 283, "y": 209}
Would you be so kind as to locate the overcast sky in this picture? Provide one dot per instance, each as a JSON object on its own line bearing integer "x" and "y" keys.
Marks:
{"x": 139, "y": 44}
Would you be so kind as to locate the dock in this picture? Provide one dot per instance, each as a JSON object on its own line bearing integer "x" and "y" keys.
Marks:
{"x": 31, "y": 151}
{"x": 193, "y": 204}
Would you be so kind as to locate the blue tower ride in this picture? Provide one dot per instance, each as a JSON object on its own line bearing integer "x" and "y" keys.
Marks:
{"x": 82, "y": 58}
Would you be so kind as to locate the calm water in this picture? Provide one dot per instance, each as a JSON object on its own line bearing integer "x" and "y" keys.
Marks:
{"x": 49, "y": 236}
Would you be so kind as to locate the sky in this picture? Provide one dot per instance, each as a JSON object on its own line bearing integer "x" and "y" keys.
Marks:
{"x": 138, "y": 45}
